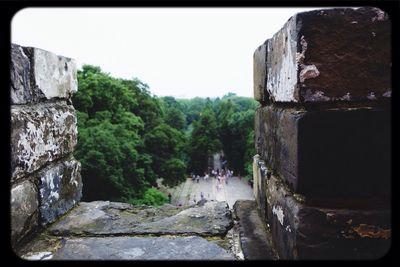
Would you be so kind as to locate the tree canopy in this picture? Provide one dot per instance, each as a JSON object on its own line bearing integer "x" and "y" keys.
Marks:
{"x": 127, "y": 138}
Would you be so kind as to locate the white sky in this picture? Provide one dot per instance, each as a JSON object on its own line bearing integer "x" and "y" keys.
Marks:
{"x": 183, "y": 52}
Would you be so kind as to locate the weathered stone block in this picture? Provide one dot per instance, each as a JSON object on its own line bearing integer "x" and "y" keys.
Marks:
{"x": 300, "y": 231}
{"x": 277, "y": 140}
{"x": 211, "y": 219}
{"x": 38, "y": 74}
{"x": 40, "y": 134}
{"x": 20, "y": 91}
{"x": 330, "y": 153}
{"x": 24, "y": 210}
{"x": 339, "y": 54}
{"x": 54, "y": 76}
{"x": 132, "y": 248}
{"x": 260, "y": 73}
{"x": 60, "y": 189}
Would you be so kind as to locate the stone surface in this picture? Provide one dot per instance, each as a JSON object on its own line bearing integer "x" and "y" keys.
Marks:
{"x": 256, "y": 179}
{"x": 38, "y": 74}
{"x": 39, "y": 134}
{"x": 342, "y": 152}
{"x": 256, "y": 241}
{"x": 134, "y": 248}
{"x": 110, "y": 218}
{"x": 24, "y": 206}
{"x": 20, "y": 68}
{"x": 260, "y": 73}
{"x": 301, "y": 231}
{"x": 340, "y": 54}
{"x": 259, "y": 182}
{"x": 54, "y": 76}
{"x": 276, "y": 133}
{"x": 59, "y": 190}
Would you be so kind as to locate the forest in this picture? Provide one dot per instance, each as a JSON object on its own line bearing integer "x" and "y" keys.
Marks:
{"x": 128, "y": 138}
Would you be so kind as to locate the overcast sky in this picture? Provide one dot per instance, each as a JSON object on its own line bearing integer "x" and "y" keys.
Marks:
{"x": 183, "y": 52}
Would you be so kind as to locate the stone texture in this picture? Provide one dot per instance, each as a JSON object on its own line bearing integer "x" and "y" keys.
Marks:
{"x": 260, "y": 175}
{"x": 337, "y": 152}
{"x": 54, "y": 76}
{"x": 276, "y": 133}
{"x": 38, "y": 74}
{"x": 20, "y": 68}
{"x": 260, "y": 73}
{"x": 110, "y": 218}
{"x": 24, "y": 205}
{"x": 255, "y": 239}
{"x": 340, "y": 54}
{"x": 134, "y": 248}
{"x": 301, "y": 231}
{"x": 39, "y": 134}
{"x": 256, "y": 179}
{"x": 60, "y": 189}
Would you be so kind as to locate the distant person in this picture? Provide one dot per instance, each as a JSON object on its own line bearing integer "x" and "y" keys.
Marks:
{"x": 201, "y": 195}
{"x": 198, "y": 178}
{"x": 169, "y": 197}
{"x": 219, "y": 186}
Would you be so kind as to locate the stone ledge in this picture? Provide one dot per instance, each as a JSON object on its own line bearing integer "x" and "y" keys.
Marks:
{"x": 255, "y": 238}
{"x": 103, "y": 218}
{"x": 132, "y": 248}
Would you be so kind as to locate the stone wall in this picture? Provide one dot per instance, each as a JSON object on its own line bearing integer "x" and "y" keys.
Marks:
{"x": 322, "y": 173}
{"x": 45, "y": 177}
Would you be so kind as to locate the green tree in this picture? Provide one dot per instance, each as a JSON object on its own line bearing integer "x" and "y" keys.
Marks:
{"x": 249, "y": 154}
{"x": 153, "y": 197}
{"x": 116, "y": 164}
{"x": 204, "y": 141}
{"x": 166, "y": 145}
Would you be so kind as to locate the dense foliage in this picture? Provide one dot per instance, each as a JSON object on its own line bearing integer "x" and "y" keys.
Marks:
{"x": 123, "y": 142}
{"x": 128, "y": 138}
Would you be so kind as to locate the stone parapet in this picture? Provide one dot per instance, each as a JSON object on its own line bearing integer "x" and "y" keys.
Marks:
{"x": 322, "y": 173}
{"x": 45, "y": 178}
